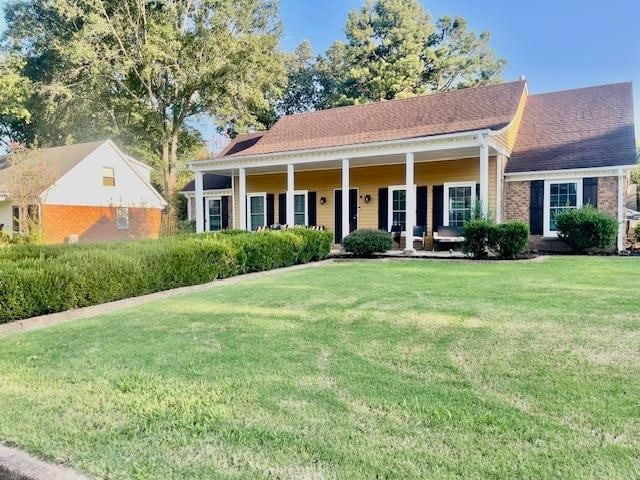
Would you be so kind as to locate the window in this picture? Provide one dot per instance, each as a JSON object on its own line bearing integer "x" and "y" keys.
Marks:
{"x": 108, "y": 177}
{"x": 397, "y": 208}
{"x": 215, "y": 214}
{"x": 122, "y": 218}
{"x": 559, "y": 196}
{"x": 300, "y": 208}
{"x": 458, "y": 203}
{"x": 257, "y": 210}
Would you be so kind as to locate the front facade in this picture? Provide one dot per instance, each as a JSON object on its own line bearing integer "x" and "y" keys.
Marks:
{"x": 416, "y": 166}
{"x": 97, "y": 194}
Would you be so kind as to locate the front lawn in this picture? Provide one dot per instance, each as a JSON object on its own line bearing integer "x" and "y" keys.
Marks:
{"x": 397, "y": 369}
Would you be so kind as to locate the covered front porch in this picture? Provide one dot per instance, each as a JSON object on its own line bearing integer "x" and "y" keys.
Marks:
{"x": 396, "y": 186}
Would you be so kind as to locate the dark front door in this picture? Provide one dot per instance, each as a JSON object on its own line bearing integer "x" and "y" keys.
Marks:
{"x": 353, "y": 212}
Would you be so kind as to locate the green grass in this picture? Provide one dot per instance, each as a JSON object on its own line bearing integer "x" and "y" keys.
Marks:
{"x": 398, "y": 369}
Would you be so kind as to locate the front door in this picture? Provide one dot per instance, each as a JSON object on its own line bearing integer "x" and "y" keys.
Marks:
{"x": 353, "y": 212}
{"x": 213, "y": 215}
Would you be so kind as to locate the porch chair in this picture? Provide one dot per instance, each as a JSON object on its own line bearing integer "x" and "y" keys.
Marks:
{"x": 396, "y": 234}
{"x": 419, "y": 233}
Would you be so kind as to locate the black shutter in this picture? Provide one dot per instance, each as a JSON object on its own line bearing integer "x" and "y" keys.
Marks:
{"x": 311, "y": 208}
{"x": 282, "y": 208}
{"x": 421, "y": 206}
{"x": 590, "y": 191}
{"x": 383, "y": 209}
{"x": 478, "y": 193}
{"x": 438, "y": 206}
{"x": 337, "y": 215}
{"x": 536, "y": 207}
{"x": 270, "y": 213}
{"x": 225, "y": 212}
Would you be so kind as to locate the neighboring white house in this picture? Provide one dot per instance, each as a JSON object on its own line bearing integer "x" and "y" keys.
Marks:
{"x": 97, "y": 193}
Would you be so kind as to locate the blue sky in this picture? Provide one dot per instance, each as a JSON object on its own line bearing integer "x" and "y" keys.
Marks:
{"x": 556, "y": 44}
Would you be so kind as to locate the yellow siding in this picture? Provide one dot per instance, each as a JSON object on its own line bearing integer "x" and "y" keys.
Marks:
{"x": 368, "y": 180}
{"x": 507, "y": 139}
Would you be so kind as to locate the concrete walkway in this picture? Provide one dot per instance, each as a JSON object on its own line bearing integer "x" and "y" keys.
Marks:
{"x": 18, "y": 465}
{"x": 42, "y": 321}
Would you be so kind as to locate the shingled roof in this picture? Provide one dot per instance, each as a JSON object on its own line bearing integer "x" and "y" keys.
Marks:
{"x": 488, "y": 107}
{"x": 210, "y": 181}
{"x": 582, "y": 128}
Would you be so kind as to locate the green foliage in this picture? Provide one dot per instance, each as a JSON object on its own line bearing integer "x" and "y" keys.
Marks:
{"x": 186, "y": 226}
{"x": 477, "y": 237}
{"x": 139, "y": 72}
{"x": 636, "y": 233}
{"x": 366, "y": 242}
{"x": 16, "y": 90}
{"x": 393, "y": 49}
{"x": 36, "y": 280}
{"x": 509, "y": 239}
{"x": 586, "y": 227}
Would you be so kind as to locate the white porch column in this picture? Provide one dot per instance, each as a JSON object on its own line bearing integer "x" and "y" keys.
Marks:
{"x": 621, "y": 222}
{"x": 199, "y": 203}
{"x": 242, "y": 197}
{"x": 410, "y": 219}
{"x": 484, "y": 174}
{"x": 291, "y": 187}
{"x": 189, "y": 216}
{"x": 345, "y": 197}
{"x": 500, "y": 161}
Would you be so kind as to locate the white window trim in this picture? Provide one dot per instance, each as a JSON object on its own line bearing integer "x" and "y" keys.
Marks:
{"x": 306, "y": 205}
{"x": 207, "y": 212}
{"x": 391, "y": 189}
{"x": 547, "y": 232}
{"x": 249, "y": 197}
{"x": 447, "y": 186}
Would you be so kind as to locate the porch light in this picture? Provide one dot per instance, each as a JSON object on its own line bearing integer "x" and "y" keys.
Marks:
{"x": 323, "y": 200}
{"x": 367, "y": 198}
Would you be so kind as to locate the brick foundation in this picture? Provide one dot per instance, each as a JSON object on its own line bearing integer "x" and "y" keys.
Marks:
{"x": 96, "y": 224}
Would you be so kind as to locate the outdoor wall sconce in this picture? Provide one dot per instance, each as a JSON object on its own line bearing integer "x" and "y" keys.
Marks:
{"x": 367, "y": 198}
{"x": 323, "y": 200}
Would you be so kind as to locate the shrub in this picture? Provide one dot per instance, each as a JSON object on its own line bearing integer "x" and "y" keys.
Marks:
{"x": 35, "y": 280}
{"x": 186, "y": 226}
{"x": 366, "y": 242}
{"x": 477, "y": 235}
{"x": 509, "y": 239}
{"x": 585, "y": 228}
{"x": 636, "y": 233}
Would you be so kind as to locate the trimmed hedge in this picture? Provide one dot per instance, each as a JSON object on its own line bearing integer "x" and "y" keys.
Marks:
{"x": 586, "y": 227}
{"x": 510, "y": 239}
{"x": 477, "y": 233}
{"x": 36, "y": 280}
{"x": 365, "y": 242}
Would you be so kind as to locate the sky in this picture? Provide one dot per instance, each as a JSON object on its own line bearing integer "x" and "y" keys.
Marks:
{"x": 555, "y": 44}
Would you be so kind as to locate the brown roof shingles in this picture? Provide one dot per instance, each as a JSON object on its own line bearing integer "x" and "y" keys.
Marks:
{"x": 582, "y": 128}
{"x": 488, "y": 107}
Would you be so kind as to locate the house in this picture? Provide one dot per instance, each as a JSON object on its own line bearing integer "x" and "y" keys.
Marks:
{"x": 96, "y": 193}
{"x": 217, "y": 195}
{"x": 424, "y": 162}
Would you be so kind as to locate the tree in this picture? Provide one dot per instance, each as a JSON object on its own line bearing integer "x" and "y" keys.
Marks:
{"x": 29, "y": 177}
{"x": 393, "y": 50}
{"x": 457, "y": 58}
{"x": 15, "y": 91}
{"x": 146, "y": 68}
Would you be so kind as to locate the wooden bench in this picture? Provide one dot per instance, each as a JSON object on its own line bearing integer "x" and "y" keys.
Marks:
{"x": 447, "y": 235}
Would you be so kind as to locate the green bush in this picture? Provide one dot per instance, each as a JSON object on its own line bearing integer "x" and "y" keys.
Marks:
{"x": 366, "y": 242}
{"x": 636, "y": 233}
{"x": 477, "y": 235}
{"x": 585, "y": 228}
{"x": 509, "y": 239}
{"x": 36, "y": 280}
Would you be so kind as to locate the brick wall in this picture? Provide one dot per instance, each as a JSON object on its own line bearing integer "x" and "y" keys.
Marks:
{"x": 515, "y": 204}
{"x": 608, "y": 195}
{"x": 96, "y": 224}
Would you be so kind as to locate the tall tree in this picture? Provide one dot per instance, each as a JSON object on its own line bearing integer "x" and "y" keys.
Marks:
{"x": 148, "y": 67}
{"x": 394, "y": 50}
{"x": 16, "y": 90}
